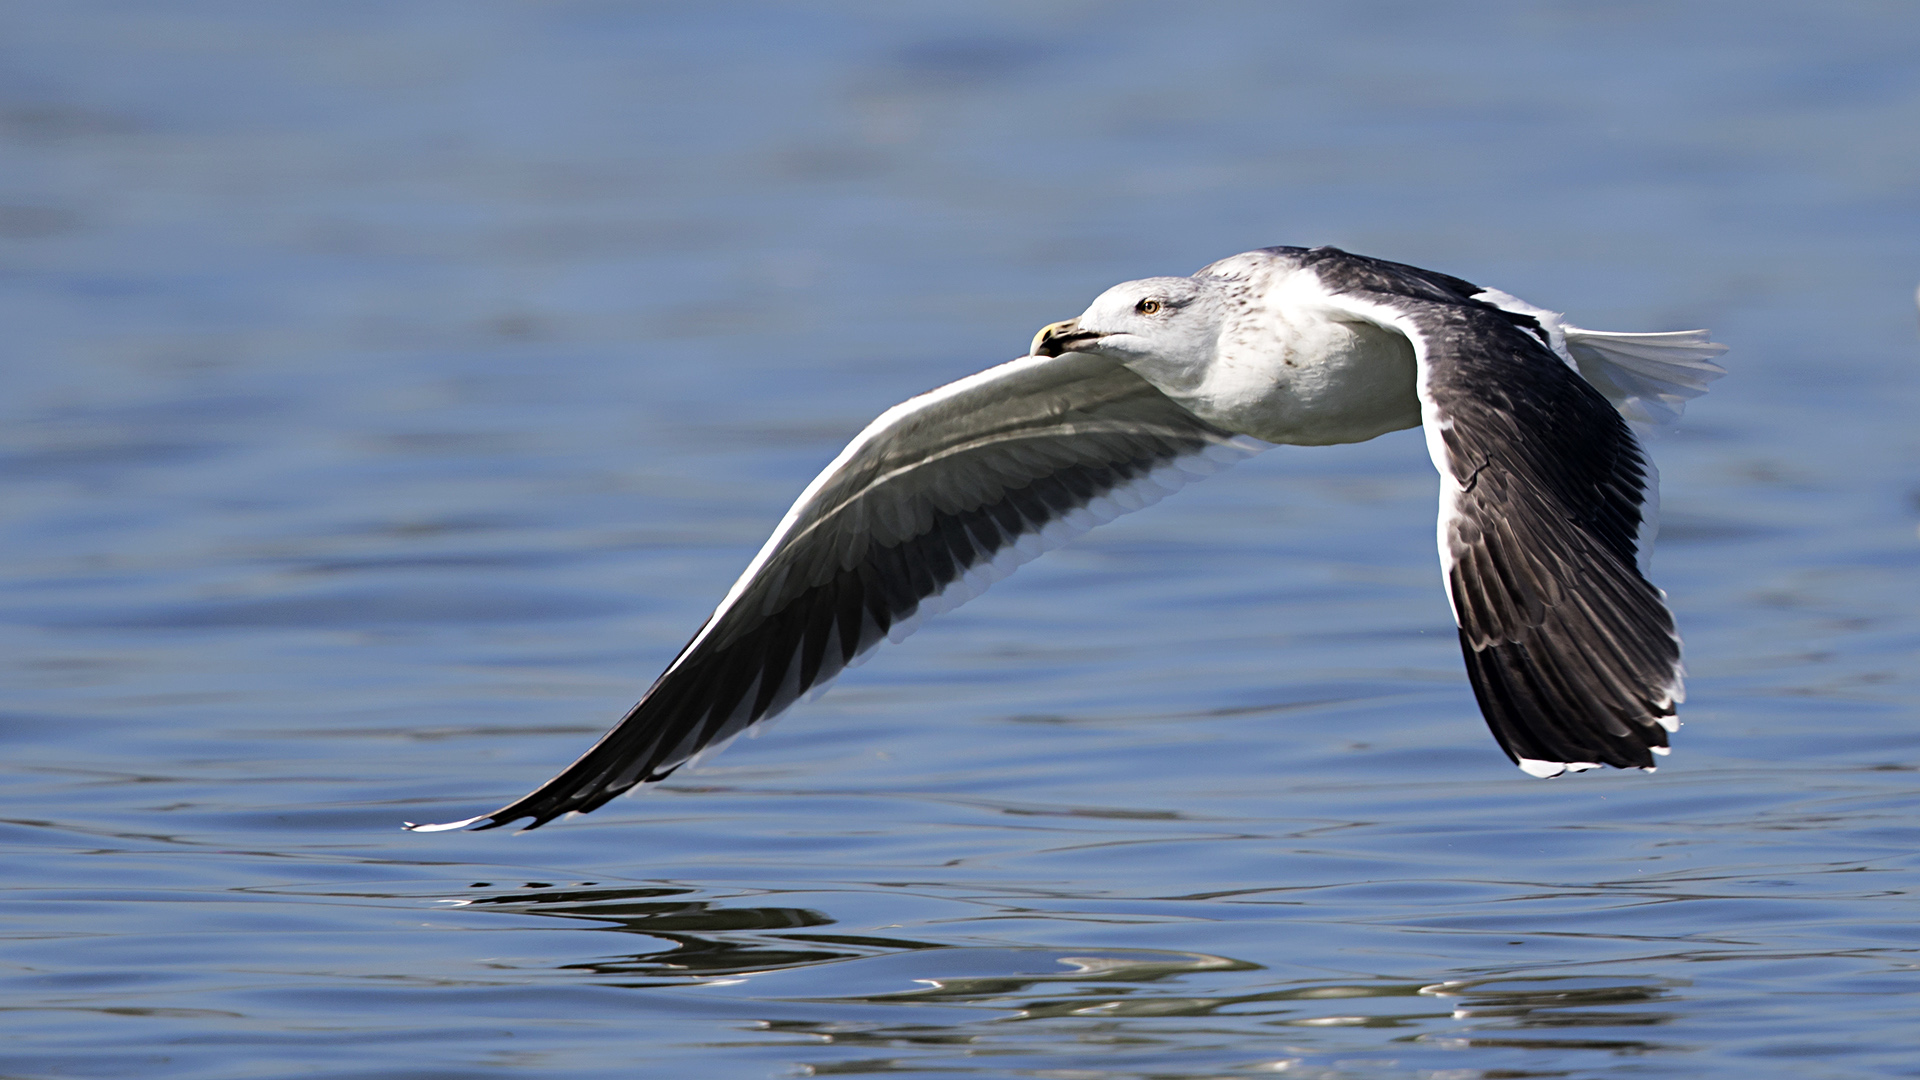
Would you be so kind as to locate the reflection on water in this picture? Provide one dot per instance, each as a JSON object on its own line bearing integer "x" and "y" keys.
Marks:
{"x": 1009, "y": 1001}
{"x": 391, "y": 389}
{"x": 708, "y": 938}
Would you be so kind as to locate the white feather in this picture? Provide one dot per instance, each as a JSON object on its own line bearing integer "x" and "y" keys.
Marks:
{"x": 1648, "y": 377}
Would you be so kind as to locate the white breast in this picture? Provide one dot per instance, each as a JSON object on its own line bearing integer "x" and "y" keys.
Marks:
{"x": 1288, "y": 371}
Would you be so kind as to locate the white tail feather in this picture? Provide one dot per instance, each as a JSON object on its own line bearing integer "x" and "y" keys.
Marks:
{"x": 1649, "y": 377}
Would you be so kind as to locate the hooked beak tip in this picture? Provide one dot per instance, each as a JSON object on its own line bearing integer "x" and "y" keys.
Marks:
{"x": 1056, "y": 338}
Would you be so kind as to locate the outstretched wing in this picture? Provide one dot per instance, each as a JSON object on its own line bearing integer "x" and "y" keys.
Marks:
{"x": 1543, "y": 486}
{"x": 937, "y": 499}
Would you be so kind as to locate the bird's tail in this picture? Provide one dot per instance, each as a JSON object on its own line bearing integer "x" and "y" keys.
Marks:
{"x": 1649, "y": 377}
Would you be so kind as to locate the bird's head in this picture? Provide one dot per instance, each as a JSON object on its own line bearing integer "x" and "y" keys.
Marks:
{"x": 1163, "y": 323}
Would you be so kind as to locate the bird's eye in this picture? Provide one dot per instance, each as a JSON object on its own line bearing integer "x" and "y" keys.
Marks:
{"x": 1148, "y": 307}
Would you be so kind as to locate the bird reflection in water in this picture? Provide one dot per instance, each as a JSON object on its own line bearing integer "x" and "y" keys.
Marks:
{"x": 702, "y": 932}
{"x": 778, "y": 953}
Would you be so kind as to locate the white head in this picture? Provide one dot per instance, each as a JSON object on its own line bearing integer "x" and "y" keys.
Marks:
{"x": 1166, "y": 328}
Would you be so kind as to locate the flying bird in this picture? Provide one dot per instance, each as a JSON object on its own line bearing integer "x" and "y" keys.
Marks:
{"x": 1547, "y": 498}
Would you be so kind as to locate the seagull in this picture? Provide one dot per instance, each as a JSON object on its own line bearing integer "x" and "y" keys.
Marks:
{"x": 1547, "y": 499}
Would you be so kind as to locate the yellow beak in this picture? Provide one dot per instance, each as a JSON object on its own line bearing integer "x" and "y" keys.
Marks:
{"x": 1056, "y": 338}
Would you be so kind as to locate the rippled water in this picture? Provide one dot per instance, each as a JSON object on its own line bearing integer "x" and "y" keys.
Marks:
{"x": 392, "y": 388}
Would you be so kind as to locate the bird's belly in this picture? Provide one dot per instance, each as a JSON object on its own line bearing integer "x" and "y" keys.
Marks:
{"x": 1338, "y": 383}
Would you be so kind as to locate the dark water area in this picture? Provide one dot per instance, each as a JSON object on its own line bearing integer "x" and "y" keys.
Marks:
{"x": 391, "y": 389}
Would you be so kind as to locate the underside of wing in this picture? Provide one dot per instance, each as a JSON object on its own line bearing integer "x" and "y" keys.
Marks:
{"x": 938, "y": 498}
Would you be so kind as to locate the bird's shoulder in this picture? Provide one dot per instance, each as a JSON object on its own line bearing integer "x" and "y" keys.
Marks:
{"x": 1344, "y": 272}
{"x": 1347, "y": 271}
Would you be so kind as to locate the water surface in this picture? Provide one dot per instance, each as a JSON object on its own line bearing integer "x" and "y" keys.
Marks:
{"x": 391, "y": 390}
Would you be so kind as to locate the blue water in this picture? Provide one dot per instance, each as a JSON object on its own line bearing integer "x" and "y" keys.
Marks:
{"x": 390, "y": 389}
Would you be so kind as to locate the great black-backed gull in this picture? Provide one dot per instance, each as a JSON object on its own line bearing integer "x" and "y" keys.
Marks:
{"x": 1547, "y": 500}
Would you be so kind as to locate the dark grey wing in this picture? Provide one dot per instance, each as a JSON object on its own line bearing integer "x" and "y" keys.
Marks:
{"x": 939, "y": 497}
{"x": 1572, "y": 652}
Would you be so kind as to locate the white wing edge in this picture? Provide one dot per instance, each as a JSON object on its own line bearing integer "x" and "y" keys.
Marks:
{"x": 447, "y": 826}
